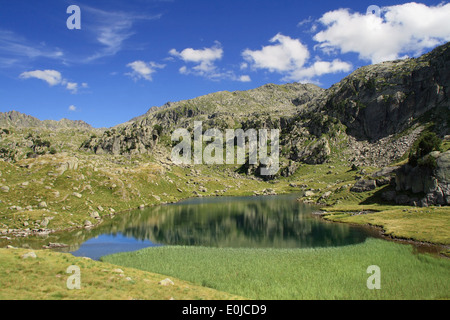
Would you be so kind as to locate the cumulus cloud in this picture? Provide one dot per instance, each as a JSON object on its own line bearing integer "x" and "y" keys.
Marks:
{"x": 318, "y": 69}
{"x": 204, "y": 60}
{"x": 285, "y": 55}
{"x": 143, "y": 70}
{"x": 204, "y": 63}
{"x": 72, "y": 86}
{"x": 399, "y": 31}
{"x": 72, "y": 108}
{"x": 289, "y": 57}
{"x": 245, "y": 78}
{"x": 53, "y": 78}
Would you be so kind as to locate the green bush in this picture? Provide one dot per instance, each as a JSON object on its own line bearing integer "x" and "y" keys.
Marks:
{"x": 158, "y": 129}
{"x": 428, "y": 143}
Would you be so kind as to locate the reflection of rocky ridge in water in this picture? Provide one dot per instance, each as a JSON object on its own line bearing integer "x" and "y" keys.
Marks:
{"x": 235, "y": 222}
{"x": 253, "y": 223}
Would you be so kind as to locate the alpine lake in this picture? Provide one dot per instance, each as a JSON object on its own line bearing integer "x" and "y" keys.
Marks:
{"x": 223, "y": 222}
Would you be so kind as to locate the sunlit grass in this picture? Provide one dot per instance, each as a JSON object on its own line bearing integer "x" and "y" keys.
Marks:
{"x": 327, "y": 273}
{"x": 45, "y": 278}
{"x": 420, "y": 224}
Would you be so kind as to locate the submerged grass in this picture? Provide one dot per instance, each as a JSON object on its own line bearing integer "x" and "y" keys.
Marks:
{"x": 292, "y": 274}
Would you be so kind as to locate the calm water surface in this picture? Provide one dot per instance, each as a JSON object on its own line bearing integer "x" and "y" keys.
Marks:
{"x": 243, "y": 222}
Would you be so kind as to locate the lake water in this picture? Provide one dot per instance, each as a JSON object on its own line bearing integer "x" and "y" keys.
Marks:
{"x": 229, "y": 222}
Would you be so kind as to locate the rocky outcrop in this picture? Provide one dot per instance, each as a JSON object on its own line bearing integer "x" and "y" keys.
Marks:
{"x": 384, "y": 99}
{"x": 431, "y": 186}
{"x": 314, "y": 153}
{"x": 364, "y": 186}
{"x": 126, "y": 140}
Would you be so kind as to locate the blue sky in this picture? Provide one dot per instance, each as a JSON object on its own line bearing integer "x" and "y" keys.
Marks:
{"x": 131, "y": 55}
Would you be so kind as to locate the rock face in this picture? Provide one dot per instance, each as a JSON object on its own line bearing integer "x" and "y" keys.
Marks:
{"x": 315, "y": 153}
{"x": 369, "y": 114}
{"x": 380, "y": 100}
{"x": 132, "y": 139}
{"x": 434, "y": 183}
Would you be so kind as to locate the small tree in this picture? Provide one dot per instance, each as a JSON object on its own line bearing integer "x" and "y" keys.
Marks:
{"x": 428, "y": 143}
{"x": 158, "y": 129}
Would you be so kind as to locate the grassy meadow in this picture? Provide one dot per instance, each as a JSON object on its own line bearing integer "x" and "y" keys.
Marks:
{"x": 45, "y": 278}
{"x": 293, "y": 274}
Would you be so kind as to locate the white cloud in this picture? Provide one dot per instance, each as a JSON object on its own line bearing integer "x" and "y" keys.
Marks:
{"x": 143, "y": 70}
{"x": 245, "y": 78}
{"x": 72, "y": 108}
{"x": 111, "y": 29}
{"x": 305, "y": 21}
{"x": 204, "y": 61}
{"x": 17, "y": 50}
{"x": 72, "y": 86}
{"x": 285, "y": 55}
{"x": 401, "y": 30}
{"x": 318, "y": 69}
{"x": 203, "y": 58}
{"x": 244, "y": 65}
{"x": 53, "y": 78}
{"x": 289, "y": 57}
{"x": 199, "y": 55}
{"x": 184, "y": 70}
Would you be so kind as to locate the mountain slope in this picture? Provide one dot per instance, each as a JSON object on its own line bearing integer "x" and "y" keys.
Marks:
{"x": 384, "y": 99}
{"x": 16, "y": 119}
{"x": 268, "y": 106}
{"x": 372, "y": 117}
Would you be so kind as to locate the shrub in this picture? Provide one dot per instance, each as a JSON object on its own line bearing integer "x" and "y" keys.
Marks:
{"x": 158, "y": 129}
{"x": 428, "y": 162}
{"x": 428, "y": 143}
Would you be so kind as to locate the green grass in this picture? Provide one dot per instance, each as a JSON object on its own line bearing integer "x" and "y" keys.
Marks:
{"x": 403, "y": 222}
{"x": 326, "y": 273}
{"x": 45, "y": 278}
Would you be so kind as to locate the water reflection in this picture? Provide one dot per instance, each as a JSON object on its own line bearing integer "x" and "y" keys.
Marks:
{"x": 245, "y": 222}
{"x": 251, "y": 222}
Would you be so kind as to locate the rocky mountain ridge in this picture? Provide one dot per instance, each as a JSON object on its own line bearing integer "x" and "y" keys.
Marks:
{"x": 16, "y": 119}
{"x": 372, "y": 117}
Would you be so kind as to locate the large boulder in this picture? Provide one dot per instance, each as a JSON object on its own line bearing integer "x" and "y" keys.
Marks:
{"x": 433, "y": 181}
{"x": 364, "y": 186}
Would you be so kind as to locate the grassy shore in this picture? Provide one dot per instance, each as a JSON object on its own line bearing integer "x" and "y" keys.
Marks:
{"x": 430, "y": 225}
{"x": 326, "y": 273}
{"x": 45, "y": 278}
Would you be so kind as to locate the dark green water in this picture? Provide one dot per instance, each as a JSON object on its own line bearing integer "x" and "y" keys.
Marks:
{"x": 244, "y": 222}
{"x": 234, "y": 222}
